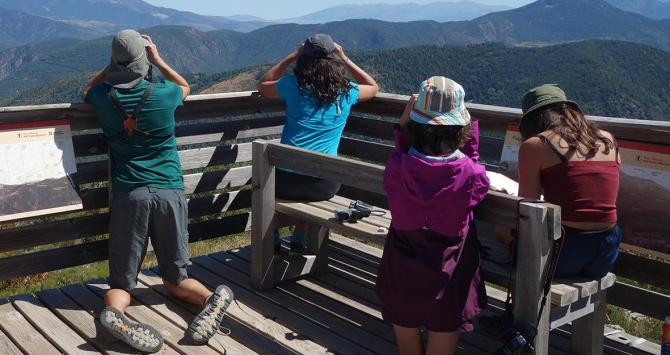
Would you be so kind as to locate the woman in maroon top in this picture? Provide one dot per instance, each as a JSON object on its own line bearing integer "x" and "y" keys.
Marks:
{"x": 576, "y": 166}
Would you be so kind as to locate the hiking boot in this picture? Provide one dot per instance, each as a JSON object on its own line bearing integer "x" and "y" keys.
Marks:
{"x": 207, "y": 323}
{"x": 142, "y": 337}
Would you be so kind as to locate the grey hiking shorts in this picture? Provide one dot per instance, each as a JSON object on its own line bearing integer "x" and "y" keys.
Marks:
{"x": 142, "y": 214}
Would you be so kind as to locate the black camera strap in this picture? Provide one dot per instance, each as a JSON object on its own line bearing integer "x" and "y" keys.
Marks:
{"x": 130, "y": 119}
{"x": 557, "y": 247}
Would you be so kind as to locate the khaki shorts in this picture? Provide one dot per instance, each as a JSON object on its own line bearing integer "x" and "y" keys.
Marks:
{"x": 144, "y": 214}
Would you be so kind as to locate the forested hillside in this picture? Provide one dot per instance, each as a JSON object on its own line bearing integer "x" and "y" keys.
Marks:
{"x": 608, "y": 78}
{"x": 18, "y": 28}
{"x": 544, "y": 22}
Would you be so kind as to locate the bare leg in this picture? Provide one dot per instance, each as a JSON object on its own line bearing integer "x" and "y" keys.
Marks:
{"x": 189, "y": 290}
{"x": 409, "y": 340}
{"x": 440, "y": 343}
{"x": 118, "y": 299}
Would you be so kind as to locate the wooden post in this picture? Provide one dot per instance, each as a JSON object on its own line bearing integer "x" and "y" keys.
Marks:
{"x": 587, "y": 332}
{"x": 539, "y": 225}
{"x": 262, "y": 217}
{"x": 317, "y": 244}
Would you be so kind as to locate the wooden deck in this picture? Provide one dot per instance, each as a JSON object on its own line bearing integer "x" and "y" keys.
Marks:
{"x": 337, "y": 313}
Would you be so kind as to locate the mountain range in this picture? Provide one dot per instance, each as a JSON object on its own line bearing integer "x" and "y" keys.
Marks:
{"x": 25, "y": 22}
{"x": 90, "y": 18}
{"x": 551, "y": 21}
{"x": 18, "y": 28}
{"x": 655, "y": 9}
{"x": 436, "y": 11}
{"x": 194, "y": 51}
{"x": 608, "y": 78}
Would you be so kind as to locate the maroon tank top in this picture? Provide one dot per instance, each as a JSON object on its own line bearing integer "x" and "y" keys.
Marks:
{"x": 586, "y": 190}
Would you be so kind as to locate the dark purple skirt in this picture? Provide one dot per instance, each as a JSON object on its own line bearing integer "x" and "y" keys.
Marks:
{"x": 430, "y": 280}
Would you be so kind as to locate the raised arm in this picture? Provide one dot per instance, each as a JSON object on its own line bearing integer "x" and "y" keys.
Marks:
{"x": 471, "y": 147}
{"x": 167, "y": 71}
{"x": 367, "y": 86}
{"x": 530, "y": 156}
{"x": 267, "y": 86}
{"x": 401, "y": 141}
{"x": 98, "y": 79}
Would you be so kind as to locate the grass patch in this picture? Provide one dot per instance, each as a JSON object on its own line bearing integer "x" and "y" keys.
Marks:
{"x": 99, "y": 270}
{"x": 638, "y": 325}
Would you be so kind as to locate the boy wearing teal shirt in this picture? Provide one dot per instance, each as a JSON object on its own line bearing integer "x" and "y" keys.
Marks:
{"x": 148, "y": 201}
{"x": 135, "y": 160}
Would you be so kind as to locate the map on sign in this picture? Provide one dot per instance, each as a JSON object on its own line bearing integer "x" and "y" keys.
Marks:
{"x": 644, "y": 193}
{"x": 37, "y": 166}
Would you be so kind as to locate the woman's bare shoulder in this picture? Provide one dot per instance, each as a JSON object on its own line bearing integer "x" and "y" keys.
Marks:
{"x": 607, "y": 134}
{"x": 531, "y": 146}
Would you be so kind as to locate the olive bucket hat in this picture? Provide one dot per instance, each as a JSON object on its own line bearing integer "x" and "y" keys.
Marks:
{"x": 543, "y": 96}
{"x": 129, "y": 64}
{"x": 441, "y": 102}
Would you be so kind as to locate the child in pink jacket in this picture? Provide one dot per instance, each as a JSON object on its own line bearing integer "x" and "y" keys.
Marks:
{"x": 429, "y": 274}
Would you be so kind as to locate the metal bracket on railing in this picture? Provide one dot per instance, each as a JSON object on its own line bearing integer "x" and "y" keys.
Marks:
{"x": 259, "y": 102}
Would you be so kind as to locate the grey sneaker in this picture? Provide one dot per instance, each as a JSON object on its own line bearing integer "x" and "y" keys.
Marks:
{"x": 142, "y": 337}
{"x": 207, "y": 323}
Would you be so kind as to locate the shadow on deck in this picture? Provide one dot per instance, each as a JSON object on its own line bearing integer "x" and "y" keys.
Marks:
{"x": 338, "y": 312}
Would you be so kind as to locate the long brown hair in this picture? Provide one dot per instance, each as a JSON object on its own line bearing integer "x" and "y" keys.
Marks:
{"x": 570, "y": 124}
{"x": 323, "y": 79}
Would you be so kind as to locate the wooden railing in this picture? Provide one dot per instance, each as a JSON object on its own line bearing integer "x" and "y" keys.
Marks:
{"x": 214, "y": 134}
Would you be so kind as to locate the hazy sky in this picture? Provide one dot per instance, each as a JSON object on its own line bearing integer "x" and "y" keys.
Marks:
{"x": 282, "y": 9}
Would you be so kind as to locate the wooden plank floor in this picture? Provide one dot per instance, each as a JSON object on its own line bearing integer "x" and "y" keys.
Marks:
{"x": 334, "y": 313}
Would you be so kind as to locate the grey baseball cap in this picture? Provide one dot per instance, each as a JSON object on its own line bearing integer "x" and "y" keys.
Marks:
{"x": 319, "y": 45}
{"x": 130, "y": 64}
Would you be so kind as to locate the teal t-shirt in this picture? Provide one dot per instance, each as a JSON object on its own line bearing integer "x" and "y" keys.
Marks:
{"x": 309, "y": 126}
{"x": 138, "y": 161}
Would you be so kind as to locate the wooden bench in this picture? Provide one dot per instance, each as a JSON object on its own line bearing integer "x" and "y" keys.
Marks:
{"x": 581, "y": 302}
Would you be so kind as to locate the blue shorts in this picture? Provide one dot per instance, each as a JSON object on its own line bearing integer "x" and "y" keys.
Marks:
{"x": 588, "y": 254}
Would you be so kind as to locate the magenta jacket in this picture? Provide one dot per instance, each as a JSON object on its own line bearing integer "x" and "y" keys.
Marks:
{"x": 436, "y": 195}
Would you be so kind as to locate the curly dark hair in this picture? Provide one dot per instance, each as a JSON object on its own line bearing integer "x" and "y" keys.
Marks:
{"x": 323, "y": 79}
{"x": 432, "y": 139}
{"x": 570, "y": 124}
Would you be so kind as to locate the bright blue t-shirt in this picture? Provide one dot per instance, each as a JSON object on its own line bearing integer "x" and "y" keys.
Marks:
{"x": 309, "y": 126}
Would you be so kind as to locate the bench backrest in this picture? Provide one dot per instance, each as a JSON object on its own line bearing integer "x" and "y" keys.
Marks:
{"x": 539, "y": 224}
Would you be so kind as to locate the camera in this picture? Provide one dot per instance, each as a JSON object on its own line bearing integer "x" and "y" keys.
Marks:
{"x": 514, "y": 342}
{"x": 362, "y": 207}
{"x": 357, "y": 210}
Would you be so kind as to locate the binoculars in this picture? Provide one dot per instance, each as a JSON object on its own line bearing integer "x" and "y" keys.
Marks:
{"x": 357, "y": 210}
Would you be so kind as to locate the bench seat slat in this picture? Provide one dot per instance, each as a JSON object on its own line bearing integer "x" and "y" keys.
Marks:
{"x": 326, "y": 218}
{"x": 563, "y": 291}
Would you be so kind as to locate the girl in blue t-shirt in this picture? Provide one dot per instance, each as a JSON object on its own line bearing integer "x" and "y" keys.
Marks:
{"x": 318, "y": 98}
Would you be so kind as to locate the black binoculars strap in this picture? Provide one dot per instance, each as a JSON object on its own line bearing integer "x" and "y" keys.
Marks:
{"x": 553, "y": 264}
{"x": 138, "y": 108}
{"x": 130, "y": 120}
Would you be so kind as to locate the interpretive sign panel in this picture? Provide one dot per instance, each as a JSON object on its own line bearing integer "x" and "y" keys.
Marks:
{"x": 37, "y": 166}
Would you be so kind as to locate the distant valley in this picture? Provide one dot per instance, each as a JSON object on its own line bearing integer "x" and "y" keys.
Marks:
{"x": 190, "y": 50}
{"x": 435, "y": 11}
{"x": 30, "y": 21}
{"x": 540, "y": 35}
{"x": 608, "y": 78}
